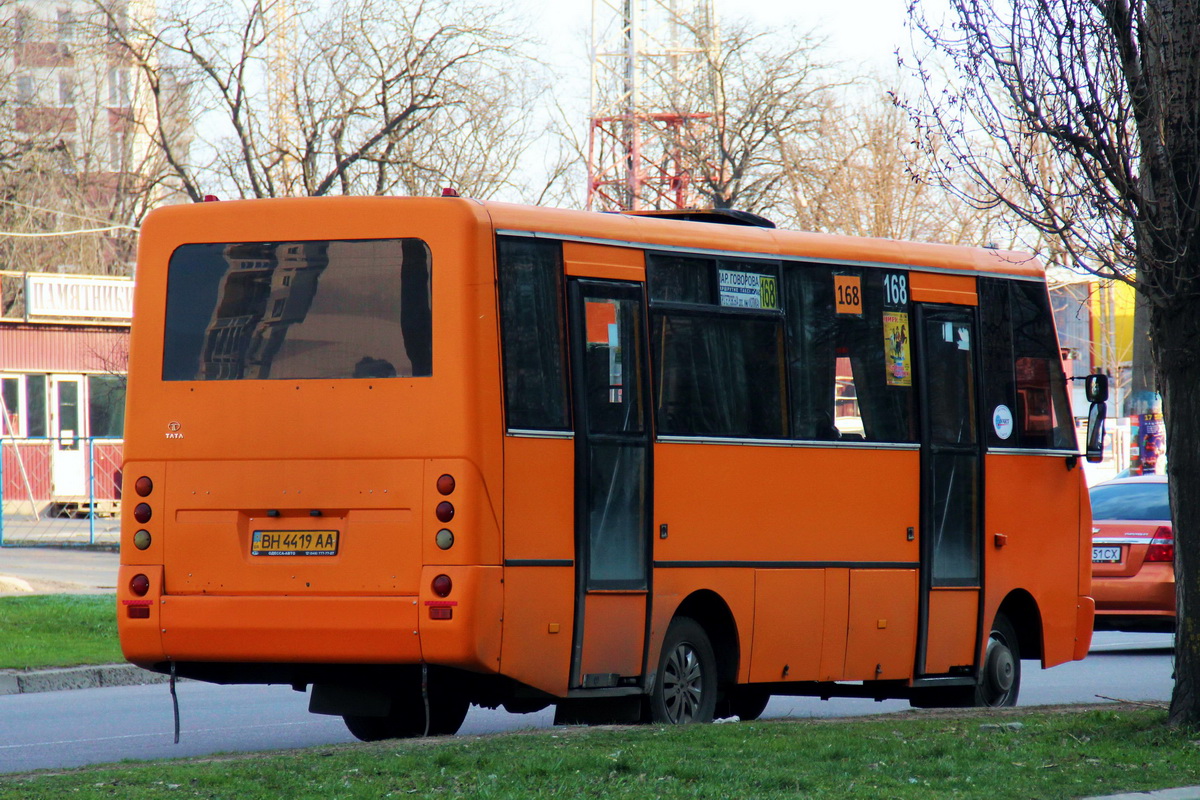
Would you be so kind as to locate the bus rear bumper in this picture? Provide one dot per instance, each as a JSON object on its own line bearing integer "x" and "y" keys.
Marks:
{"x": 464, "y": 630}
{"x": 371, "y": 630}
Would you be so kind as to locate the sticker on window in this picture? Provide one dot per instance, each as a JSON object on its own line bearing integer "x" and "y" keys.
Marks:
{"x": 1002, "y": 421}
{"x": 747, "y": 289}
{"x": 897, "y": 355}
{"x": 848, "y": 293}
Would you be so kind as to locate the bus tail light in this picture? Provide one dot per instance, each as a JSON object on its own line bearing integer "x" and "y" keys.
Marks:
{"x": 143, "y": 486}
{"x": 445, "y": 484}
{"x": 1162, "y": 546}
{"x": 445, "y": 511}
{"x": 442, "y": 585}
{"x": 142, "y": 513}
{"x": 138, "y": 612}
{"x": 441, "y": 612}
{"x": 139, "y": 584}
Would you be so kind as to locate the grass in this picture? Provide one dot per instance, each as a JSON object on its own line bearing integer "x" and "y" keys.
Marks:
{"x": 1053, "y": 754}
{"x": 58, "y": 630}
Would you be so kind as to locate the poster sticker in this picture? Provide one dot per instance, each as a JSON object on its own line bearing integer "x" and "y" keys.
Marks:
{"x": 848, "y": 294}
{"x": 1002, "y": 421}
{"x": 747, "y": 289}
{"x": 897, "y": 358}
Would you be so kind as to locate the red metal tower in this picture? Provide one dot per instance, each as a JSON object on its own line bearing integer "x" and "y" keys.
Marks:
{"x": 651, "y": 72}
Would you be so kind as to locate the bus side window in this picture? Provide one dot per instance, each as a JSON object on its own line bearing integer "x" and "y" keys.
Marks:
{"x": 532, "y": 333}
{"x": 844, "y": 386}
{"x": 1022, "y": 367}
{"x": 717, "y": 346}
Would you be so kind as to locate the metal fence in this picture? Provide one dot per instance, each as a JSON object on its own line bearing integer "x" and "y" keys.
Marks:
{"x": 60, "y": 492}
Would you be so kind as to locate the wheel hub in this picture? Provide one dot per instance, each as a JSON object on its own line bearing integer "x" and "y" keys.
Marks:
{"x": 1000, "y": 668}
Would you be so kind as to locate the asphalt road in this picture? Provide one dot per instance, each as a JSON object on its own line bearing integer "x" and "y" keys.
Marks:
{"x": 73, "y": 728}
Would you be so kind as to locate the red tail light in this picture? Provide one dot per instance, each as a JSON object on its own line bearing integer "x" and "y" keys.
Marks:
{"x": 139, "y": 585}
{"x": 1162, "y": 546}
{"x": 442, "y": 585}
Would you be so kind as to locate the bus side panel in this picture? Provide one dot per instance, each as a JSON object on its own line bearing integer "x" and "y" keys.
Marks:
{"x": 1034, "y": 539}
{"x": 882, "y": 634}
{"x": 539, "y": 526}
{"x": 539, "y": 500}
{"x": 931, "y": 287}
{"x": 737, "y": 502}
{"x": 538, "y": 626}
{"x": 789, "y": 621}
{"x": 953, "y": 613}
{"x": 837, "y": 624}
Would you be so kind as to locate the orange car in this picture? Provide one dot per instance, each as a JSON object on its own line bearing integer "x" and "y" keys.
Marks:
{"x": 1133, "y": 554}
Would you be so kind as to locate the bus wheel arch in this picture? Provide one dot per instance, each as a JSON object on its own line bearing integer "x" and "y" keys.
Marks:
{"x": 1021, "y": 610}
{"x": 712, "y": 613}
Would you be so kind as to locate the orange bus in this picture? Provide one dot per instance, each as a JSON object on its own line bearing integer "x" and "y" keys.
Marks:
{"x": 419, "y": 453}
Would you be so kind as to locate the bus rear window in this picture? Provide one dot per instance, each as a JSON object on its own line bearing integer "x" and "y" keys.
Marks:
{"x": 297, "y": 310}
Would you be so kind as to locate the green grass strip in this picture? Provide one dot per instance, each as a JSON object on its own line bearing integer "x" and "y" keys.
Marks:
{"x": 58, "y": 630}
{"x": 1051, "y": 754}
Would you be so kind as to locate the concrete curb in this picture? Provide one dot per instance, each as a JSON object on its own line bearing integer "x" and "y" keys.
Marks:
{"x": 1182, "y": 793}
{"x": 94, "y": 677}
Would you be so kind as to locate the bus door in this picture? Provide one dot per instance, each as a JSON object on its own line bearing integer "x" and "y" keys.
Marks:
{"x": 612, "y": 480}
{"x": 68, "y": 457}
{"x": 951, "y": 490}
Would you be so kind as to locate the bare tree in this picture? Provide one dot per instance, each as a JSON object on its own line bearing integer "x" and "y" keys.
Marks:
{"x": 860, "y": 174}
{"x": 69, "y": 187}
{"x": 760, "y": 93}
{"x": 1093, "y": 107}
{"x": 367, "y": 97}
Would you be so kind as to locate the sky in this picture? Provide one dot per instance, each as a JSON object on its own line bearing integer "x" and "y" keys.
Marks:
{"x": 860, "y": 31}
{"x": 861, "y": 34}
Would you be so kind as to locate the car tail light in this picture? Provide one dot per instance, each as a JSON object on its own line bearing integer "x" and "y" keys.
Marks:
{"x": 1162, "y": 546}
{"x": 442, "y": 585}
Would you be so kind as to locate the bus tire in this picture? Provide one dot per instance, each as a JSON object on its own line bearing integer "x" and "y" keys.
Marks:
{"x": 685, "y": 689}
{"x": 999, "y": 680}
{"x": 744, "y": 702}
{"x": 406, "y": 719}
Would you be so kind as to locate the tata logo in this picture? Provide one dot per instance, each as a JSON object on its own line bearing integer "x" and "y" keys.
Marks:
{"x": 173, "y": 431}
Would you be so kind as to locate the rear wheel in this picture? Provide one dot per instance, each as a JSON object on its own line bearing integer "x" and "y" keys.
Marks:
{"x": 406, "y": 718}
{"x": 999, "y": 680}
{"x": 685, "y": 689}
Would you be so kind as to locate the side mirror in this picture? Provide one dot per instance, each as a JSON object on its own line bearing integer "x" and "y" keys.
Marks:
{"x": 1095, "y": 434}
{"x": 1095, "y": 387}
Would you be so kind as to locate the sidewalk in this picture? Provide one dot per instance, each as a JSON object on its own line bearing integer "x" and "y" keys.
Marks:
{"x": 58, "y": 570}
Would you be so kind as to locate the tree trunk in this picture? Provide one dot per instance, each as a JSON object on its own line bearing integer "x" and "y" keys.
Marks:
{"x": 1175, "y": 332}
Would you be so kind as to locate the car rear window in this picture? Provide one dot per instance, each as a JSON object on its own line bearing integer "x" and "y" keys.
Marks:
{"x": 1131, "y": 501}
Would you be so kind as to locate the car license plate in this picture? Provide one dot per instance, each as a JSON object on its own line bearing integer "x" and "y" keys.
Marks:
{"x": 1106, "y": 555}
{"x": 294, "y": 543}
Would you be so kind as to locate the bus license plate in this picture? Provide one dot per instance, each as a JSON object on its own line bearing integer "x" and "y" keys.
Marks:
{"x": 1106, "y": 555}
{"x": 294, "y": 543}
